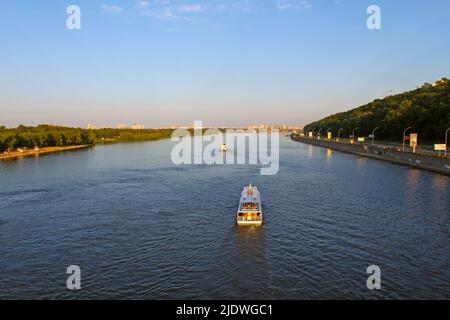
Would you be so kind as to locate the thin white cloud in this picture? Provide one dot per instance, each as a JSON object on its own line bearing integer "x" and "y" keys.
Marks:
{"x": 143, "y": 3}
{"x": 187, "y": 10}
{"x": 292, "y": 4}
{"x": 164, "y": 13}
{"x": 111, "y": 8}
{"x": 166, "y": 9}
{"x": 189, "y": 7}
{"x": 192, "y": 8}
{"x": 241, "y": 6}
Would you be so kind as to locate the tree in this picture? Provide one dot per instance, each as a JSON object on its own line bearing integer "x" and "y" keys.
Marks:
{"x": 427, "y": 109}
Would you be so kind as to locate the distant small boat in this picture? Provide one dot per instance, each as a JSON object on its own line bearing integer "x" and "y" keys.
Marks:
{"x": 223, "y": 147}
{"x": 250, "y": 210}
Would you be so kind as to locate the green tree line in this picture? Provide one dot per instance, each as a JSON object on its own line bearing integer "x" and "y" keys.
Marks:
{"x": 129, "y": 135}
{"x": 54, "y": 136}
{"x": 426, "y": 110}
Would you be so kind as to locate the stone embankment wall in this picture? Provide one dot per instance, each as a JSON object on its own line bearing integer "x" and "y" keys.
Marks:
{"x": 421, "y": 161}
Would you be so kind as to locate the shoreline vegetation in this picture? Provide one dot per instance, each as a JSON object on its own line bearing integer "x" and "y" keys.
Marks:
{"x": 27, "y": 140}
{"x": 425, "y": 110}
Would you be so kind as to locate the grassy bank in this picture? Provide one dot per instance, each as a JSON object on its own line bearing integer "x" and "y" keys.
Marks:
{"x": 32, "y": 152}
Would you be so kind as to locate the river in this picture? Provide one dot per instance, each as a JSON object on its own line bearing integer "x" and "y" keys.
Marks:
{"x": 140, "y": 227}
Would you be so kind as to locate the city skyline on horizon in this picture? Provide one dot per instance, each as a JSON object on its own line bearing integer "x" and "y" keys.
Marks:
{"x": 166, "y": 63}
{"x": 139, "y": 126}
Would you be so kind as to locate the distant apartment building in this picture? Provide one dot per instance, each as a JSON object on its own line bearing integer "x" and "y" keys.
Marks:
{"x": 91, "y": 126}
{"x": 121, "y": 126}
{"x": 137, "y": 127}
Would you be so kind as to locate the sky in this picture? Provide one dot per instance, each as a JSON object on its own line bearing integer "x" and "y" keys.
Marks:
{"x": 224, "y": 62}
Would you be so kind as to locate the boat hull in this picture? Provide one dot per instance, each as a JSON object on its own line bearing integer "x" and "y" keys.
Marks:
{"x": 249, "y": 223}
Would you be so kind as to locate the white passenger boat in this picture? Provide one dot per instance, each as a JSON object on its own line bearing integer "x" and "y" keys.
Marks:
{"x": 223, "y": 147}
{"x": 250, "y": 210}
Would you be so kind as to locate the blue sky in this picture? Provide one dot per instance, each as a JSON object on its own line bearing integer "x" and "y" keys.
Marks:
{"x": 226, "y": 62}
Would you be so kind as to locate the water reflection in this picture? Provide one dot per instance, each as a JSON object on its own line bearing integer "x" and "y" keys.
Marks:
{"x": 361, "y": 163}
{"x": 310, "y": 151}
{"x": 413, "y": 178}
{"x": 249, "y": 236}
{"x": 411, "y": 193}
{"x": 329, "y": 153}
{"x": 250, "y": 261}
{"x": 440, "y": 198}
{"x": 440, "y": 182}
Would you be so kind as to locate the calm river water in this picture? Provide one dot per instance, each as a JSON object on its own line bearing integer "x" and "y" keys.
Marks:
{"x": 140, "y": 227}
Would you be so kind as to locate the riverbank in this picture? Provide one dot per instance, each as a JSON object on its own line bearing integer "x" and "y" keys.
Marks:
{"x": 31, "y": 152}
{"x": 384, "y": 153}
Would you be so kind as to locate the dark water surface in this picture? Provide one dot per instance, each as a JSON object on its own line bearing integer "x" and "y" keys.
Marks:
{"x": 141, "y": 227}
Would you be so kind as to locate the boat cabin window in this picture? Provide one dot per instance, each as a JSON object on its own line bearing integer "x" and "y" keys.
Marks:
{"x": 250, "y": 206}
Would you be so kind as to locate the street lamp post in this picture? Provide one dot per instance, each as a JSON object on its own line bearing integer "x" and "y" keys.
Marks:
{"x": 404, "y": 137}
{"x": 339, "y": 134}
{"x": 353, "y": 136}
{"x": 373, "y": 134}
{"x": 446, "y": 134}
{"x": 318, "y": 133}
